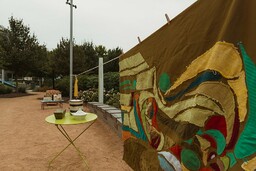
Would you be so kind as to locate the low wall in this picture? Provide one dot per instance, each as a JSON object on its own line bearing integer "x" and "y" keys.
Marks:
{"x": 109, "y": 114}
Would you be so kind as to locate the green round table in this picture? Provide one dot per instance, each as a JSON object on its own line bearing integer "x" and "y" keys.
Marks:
{"x": 70, "y": 120}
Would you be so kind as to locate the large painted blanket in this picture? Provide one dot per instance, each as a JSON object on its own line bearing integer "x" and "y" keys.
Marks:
{"x": 190, "y": 106}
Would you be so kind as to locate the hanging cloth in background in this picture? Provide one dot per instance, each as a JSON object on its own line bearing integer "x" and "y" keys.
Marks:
{"x": 76, "y": 88}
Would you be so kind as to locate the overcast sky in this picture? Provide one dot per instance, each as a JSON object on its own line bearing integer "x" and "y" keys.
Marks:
{"x": 111, "y": 23}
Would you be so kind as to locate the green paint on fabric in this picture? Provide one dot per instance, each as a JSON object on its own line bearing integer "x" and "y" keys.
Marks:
{"x": 142, "y": 134}
{"x": 190, "y": 160}
{"x": 232, "y": 159}
{"x": 199, "y": 132}
{"x": 164, "y": 82}
{"x": 134, "y": 84}
{"x": 219, "y": 139}
{"x": 246, "y": 144}
{"x": 125, "y": 82}
{"x": 189, "y": 141}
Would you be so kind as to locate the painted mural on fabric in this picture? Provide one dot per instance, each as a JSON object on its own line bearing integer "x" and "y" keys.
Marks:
{"x": 204, "y": 120}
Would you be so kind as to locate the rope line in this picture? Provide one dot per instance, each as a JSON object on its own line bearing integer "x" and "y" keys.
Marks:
{"x": 97, "y": 66}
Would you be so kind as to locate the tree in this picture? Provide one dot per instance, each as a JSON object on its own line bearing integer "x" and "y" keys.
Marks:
{"x": 61, "y": 58}
{"x": 2, "y": 35}
{"x": 20, "y": 49}
{"x": 85, "y": 57}
{"x": 91, "y": 56}
{"x": 39, "y": 62}
{"x": 112, "y": 66}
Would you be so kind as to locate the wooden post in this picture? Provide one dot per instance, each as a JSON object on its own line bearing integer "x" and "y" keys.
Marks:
{"x": 139, "y": 39}
{"x": 167, "y": 18}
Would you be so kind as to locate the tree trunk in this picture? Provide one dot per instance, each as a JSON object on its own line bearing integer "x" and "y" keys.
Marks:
{"x": 16, "y": 83}
{"x": 53, "y": 80}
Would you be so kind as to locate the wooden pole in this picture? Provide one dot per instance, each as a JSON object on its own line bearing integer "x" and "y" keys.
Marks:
{"x": 167, "y": 18}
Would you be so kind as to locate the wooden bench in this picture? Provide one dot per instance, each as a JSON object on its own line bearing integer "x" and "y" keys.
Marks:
{"x": 51, "y": 102}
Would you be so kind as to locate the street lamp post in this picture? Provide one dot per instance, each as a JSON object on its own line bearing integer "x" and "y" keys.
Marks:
{"x": 70, "y": 3}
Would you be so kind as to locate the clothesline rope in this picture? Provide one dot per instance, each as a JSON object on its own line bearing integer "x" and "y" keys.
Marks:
{"x": 97, "y": 66}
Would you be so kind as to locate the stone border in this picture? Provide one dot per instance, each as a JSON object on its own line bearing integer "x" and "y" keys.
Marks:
{"x": 109, "y": 114}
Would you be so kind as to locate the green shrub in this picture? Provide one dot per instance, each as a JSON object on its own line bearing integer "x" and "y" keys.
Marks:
{"x": 90, "y": 95}
{"x": 86, "y": 82}
{"x": 63, "y": 86}
{"x": 4, "y": 89}
{"x": 111, "y": 97}
{"x": 41, "y": 89}
{"x": 22, "y": 89}
{"x": 111, "y": 81}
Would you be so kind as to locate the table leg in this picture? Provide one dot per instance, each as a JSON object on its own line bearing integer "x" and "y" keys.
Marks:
{"x": 71, "y": 142}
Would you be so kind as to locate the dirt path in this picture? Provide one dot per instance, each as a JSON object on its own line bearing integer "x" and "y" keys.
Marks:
{"x": 28, "y": 143}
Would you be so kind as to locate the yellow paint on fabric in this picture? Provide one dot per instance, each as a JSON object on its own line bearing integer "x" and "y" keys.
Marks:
{"x": 250, "y": 165}
{"x": 240, "y": 90}
{"x": 184, "y": 168}
{"x": 135, "y": 70}
{"x": 131, "y": 62}
{"x": 197, "y": 100}
{"x": 194, "y": 116}
{"x": 144, "y": 95}
{"x": 126, "y": 121}
{"x": 126, "y": 108}
{"x": 204, "y": 144}
{"x": 225, "y": 99}
{"x": 145, "y": 80}
{"x": 125, "y": 99}
{"x": 161, "y": 97}
{"x": 217, "y": 58}
{"x": 159, "y": 100}
{"x": 226, "y": 161}
{"x": 132, "y": 120}
{"x": 161, "y": 144}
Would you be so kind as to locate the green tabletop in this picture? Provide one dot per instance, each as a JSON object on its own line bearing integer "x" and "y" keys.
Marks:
{"x": 70, "y": 120}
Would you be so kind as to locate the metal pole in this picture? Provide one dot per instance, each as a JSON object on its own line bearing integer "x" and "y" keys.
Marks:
{"x": 71, "y": 48}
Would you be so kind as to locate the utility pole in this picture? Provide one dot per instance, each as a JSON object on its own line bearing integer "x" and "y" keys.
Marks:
{"x": 70, "y": 3}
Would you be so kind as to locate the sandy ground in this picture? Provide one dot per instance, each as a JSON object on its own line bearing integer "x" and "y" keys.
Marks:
{"x": 28, "y": 142}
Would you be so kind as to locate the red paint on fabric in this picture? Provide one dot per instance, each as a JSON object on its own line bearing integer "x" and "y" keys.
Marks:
{"x": 176, "y": 150}
{"x": 235, "y": 132}
{"x": 217, "y": 122}
{"x": 210, "y": 139}
{"x": 155, "y": 110}
{"x": 205, "y": 169}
